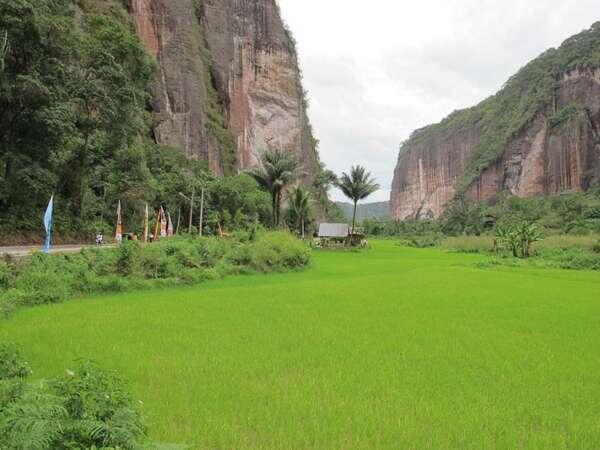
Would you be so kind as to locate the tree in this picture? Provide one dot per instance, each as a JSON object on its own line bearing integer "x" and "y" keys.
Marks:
{"x": 300, "y": 207}
{"x": 278, "y": 170}
{"x": 357, "y": 185}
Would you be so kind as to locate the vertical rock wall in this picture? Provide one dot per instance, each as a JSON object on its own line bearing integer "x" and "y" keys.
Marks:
{"x": 545, "y": 158}
{"x": 254, "y": 70}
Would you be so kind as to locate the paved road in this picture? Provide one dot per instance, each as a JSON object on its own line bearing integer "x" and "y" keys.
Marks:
{"x": 27, "y": 250}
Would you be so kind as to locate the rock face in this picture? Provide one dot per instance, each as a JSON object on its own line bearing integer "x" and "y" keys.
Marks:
{"x": 172, "y": 34}
{"x": 251, "y": 62}
{"x": 557, "y": 150}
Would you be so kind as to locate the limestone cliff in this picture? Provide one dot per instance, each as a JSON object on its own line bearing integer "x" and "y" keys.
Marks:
{"x": 539, "y": 135}
{"x": 229, "y": 81}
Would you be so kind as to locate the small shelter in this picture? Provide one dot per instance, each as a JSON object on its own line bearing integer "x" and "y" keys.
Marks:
{"x": 334, "y": 230}
{"x": 339, "y": 234}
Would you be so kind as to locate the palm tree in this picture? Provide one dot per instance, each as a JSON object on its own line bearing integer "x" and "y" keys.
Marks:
{"x": 357, "y": 186}
{"x": 300, "y": 206}
{"x": 279, "y": 170}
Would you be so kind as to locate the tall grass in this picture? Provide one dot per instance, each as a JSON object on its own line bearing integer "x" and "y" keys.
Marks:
{"x": 468, "y": 244}
{"x": 183, "y": 260}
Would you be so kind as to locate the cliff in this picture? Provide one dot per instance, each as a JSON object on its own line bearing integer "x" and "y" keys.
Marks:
{"x": 540, "y": 135}
{"x": 229, "y": 84}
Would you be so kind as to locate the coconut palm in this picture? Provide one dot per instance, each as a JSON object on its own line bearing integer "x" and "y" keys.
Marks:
{"x": 300, "y": 207}
{"x": 357, "y": 185}
{"x": 278, "y": 170}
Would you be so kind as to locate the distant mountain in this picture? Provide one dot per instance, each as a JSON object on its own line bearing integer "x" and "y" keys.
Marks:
{"x": 380, "y": 210}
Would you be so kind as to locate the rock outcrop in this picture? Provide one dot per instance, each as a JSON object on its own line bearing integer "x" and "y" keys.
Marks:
{"x": 238, "y": 54}
{"x": 556, "y": 149}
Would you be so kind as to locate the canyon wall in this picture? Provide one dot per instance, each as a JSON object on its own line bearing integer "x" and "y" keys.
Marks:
{"x": 238, "y": 55}
{"x": 557, "y": 150}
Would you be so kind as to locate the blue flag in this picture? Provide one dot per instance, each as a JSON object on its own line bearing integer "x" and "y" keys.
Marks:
{"x": 48, "y": 224}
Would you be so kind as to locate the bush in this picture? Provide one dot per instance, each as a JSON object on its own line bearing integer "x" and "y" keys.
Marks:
{"x": 13, "y": 371}
{"x": 86, "y": 408}
{"x": 178, "y": 260}
{"x": 278, "y": 251}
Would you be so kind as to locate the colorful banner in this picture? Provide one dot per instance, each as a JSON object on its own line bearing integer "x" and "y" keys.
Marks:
{"x": 163, "y": 223}
{"x": 119, "y": 229}
{"x": 48, "y": 225}
{"x": 170, "y": 231}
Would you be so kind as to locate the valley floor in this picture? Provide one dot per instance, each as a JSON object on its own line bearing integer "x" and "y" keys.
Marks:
{"x": 390, "y": 348}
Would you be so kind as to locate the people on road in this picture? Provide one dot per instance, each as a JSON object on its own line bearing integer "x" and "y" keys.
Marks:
{"x": 100, "y": 238}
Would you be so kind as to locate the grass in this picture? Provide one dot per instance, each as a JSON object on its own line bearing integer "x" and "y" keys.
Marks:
{"x": 389, "y": 348}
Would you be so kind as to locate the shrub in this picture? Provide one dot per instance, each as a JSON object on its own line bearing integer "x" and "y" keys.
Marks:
{"x": 86, "y": 408}
{"x": 13, "y": 371}
{"x": 277, "y": 252}
{"x": 178, "y": 260}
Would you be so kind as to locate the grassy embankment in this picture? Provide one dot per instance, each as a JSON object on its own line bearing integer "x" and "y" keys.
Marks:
{"x": 390, "y": 348}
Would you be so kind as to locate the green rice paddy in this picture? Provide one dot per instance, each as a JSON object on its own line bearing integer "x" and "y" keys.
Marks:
{"x": 389, "y": 348}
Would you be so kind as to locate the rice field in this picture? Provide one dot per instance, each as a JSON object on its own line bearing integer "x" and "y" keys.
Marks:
{"x": 388, "y": 348}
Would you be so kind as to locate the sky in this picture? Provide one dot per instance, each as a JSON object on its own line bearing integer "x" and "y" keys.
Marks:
{"x": 377, "y": 70}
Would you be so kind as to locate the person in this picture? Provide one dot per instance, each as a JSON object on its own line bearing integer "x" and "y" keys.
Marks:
{"x": 100, "y": 238}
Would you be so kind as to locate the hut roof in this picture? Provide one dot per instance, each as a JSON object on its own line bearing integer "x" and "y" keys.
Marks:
{"x": 341, "y": 230}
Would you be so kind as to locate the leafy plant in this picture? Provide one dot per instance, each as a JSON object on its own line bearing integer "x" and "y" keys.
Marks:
{"x": 518, "y": 239}
{"x": 86, "y": 408}
{"x": 357, "y": 186}
{"x": 300, "y": 208}
{"x": 278, "y": 170}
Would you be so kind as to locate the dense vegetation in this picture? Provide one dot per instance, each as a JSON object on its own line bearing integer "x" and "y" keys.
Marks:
{"x": 567, "y": 213}
{"x": 503, "y": 116}
{"x": 75, "y": 122}
{"x": 568, "y": 226}
{"x": 43, "y": 279}
{"x": 85, "y": 408}
{"x": 389, "y": 348}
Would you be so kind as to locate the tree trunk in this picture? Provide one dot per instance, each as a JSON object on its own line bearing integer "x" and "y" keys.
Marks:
{"x": 274, "y": 200}
{"x": 302, "y": 228}
{"x": 278, "y": 215}
{"x": 201, "y": 211}
{"x": 353, "y": 223}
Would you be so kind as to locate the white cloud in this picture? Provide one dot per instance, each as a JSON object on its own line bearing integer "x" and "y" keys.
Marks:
{"x": 378, "y": 70}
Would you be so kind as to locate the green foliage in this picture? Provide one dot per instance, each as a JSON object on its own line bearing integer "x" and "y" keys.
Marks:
{"x": 503, "y": 116}
{"x": 300, "y": 209}
{"x": 86, "y": 408}
{"x": 563, "y": 116}
{"x": 278, "y": 252}
{"x": 357, "y": 186}
{"x": 278, "y": 170}
{"x": 73, "y": 109}
{"x": 181, "y": 260}
{"x": 517, "y": 238}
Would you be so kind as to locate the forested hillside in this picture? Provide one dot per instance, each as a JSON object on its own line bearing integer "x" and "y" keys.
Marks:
{"x": 378, "y": 210}
{"x": 539, "y": 135}
{"x": 79, "y": 120}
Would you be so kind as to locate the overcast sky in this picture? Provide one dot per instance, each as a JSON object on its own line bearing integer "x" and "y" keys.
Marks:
{"x": 378, "y": 70}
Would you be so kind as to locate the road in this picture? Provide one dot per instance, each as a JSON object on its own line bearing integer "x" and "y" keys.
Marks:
{"x": 22, "y": 251}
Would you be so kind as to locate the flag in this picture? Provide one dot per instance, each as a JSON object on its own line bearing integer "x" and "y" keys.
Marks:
{"x": 163, "y": 223}
{"x": 157, "y": 225}
{"x": 48, "y": 224}
{"x": 119, "y": 230}
{"x": 146, "y": 219}
{"x": 169, "y": 225}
